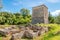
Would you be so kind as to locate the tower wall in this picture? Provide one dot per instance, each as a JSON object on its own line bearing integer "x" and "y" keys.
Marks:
{"x": 40, "y": 14}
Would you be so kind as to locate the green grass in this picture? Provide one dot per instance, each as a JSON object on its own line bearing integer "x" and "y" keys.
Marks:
{"x": 26, "y": 39}
{"x": 0, "y": 38}
{"x": 55, "y": 38}
{"x": 51, "y": 34}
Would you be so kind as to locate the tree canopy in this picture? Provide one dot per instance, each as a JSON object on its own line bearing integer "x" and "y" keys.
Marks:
{"x": 23, "y": 17}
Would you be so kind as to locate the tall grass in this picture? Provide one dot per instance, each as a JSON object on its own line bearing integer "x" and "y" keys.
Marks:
{"x": 52, "y": 34}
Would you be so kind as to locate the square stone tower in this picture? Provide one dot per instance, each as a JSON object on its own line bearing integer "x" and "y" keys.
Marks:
{"x": 40, "y": 14}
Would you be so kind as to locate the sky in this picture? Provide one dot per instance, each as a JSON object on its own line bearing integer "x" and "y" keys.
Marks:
{"x": 16, "y": 5}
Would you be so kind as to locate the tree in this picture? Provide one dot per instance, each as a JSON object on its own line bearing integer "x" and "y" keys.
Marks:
{"x": 6, "y": 17}
{"x": 26, "y": 15}
{"x": 51, "y": 18}
{"x": 2, "y": 20}
{"x": 18, "y": 18}
{"x": 24, "y": 12}
{"x": 57, "y": 19}
{"x": 15, "y": 18}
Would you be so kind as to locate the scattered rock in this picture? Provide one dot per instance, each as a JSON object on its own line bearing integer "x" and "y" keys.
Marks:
{"x": 17, "y": 36}
{"x": 30, "y": 31}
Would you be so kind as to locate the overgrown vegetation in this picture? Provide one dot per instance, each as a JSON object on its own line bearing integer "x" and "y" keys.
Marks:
{"x": 54, "y": 19}
{"x": 0, "y": 38}
{"x": 23, "y": 17}
{"x": 53, "y": 34}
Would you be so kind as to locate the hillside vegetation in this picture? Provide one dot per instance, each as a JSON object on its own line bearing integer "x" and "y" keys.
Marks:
{"x": 53, "y": 34}
{"x": 24, "y": 17}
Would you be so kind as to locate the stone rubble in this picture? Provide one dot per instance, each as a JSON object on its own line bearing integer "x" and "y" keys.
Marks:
{"x": 29, "y": 31}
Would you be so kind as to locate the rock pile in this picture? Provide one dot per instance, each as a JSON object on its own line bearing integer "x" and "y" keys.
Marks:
{"x": 29, "y": 31}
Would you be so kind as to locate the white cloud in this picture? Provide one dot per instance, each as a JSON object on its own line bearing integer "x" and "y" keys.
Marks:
{"x": 55, "y": 13}
{"x": 53, "y": 1}
{"x": 6, "y": 10}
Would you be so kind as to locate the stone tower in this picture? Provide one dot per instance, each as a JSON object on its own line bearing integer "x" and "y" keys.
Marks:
{"x": 40, "y": 14}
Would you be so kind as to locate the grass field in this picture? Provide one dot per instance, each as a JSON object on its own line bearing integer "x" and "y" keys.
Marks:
{"x": 51, "y": 35}
{"x": 0, "y": 38}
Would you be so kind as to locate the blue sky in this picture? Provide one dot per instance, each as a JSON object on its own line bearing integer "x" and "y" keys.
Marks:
{"x": 16, "y": 5}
